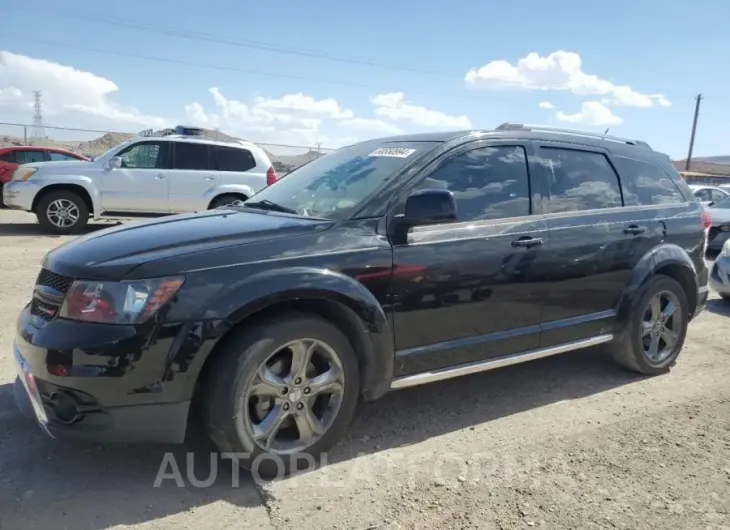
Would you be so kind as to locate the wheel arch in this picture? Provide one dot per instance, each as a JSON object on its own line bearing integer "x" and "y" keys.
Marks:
{"x": 65, "y": 186}
{"x": 669, "y": 260}
{"x": 330, "y": 295}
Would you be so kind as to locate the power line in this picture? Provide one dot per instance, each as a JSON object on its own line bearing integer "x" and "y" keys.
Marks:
{"x": 483, "y": 99}
{"x": 230, "y": 41}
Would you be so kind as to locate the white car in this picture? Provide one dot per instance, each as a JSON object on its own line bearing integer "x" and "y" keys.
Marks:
{"x": 142, "y": 177}
{"x": 708, "y": 194}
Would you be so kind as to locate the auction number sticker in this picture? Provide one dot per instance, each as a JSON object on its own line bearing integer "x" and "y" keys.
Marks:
{"x": 393, "y": 152}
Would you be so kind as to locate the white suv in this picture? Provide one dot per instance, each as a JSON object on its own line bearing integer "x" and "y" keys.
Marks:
{"x": 142, "y": 177}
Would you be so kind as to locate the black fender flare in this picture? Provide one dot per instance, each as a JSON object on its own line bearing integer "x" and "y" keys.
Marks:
{"x": 234, "y": 304}
{"x": 666, "y": 257}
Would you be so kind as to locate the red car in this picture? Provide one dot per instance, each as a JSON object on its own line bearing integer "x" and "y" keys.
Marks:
{"x": 15, "y": 155}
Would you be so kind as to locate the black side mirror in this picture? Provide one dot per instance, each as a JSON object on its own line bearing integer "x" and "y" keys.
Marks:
{"x": 711, "y": 203}
{"x": 427, "y": 207}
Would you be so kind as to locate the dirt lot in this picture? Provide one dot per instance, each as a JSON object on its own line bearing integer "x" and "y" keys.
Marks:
{"x": 567, "y": 442}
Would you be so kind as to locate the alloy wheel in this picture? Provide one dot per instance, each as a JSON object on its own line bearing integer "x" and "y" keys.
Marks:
{"x": 661, "y": 326}
{"x": 62, "y": 213}
{"x": 294, "y": 397}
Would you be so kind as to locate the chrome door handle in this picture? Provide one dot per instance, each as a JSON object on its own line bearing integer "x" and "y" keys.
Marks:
{"x": 160, "y": 176}
{"x": 634, "y": 230}
{"x": 528, "y": 242}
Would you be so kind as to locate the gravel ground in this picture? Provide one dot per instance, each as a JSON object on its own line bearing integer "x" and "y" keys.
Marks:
{"x": 567, "y": 442}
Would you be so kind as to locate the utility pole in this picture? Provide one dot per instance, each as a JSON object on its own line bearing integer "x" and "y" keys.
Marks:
{"x": 694, "y": 129}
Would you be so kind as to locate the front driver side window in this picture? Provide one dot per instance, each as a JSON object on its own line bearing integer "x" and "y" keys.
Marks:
{"x": 487, "y": 183}
{"x": 146, "y": 155}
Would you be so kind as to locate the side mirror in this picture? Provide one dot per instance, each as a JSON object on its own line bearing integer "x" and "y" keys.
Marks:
{"x": 431, "y": 206}
{"x": 711, "y": 203}
{"x": 115, "y": 162}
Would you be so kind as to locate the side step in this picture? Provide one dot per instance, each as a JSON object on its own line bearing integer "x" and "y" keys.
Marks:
{"x": 499, "y": 362}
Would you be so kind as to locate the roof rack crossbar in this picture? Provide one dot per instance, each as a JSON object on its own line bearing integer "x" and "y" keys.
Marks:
{"x": 527, "y": 127}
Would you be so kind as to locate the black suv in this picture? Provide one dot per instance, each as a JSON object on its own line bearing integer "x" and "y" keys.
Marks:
{"x": 384, "y": 265}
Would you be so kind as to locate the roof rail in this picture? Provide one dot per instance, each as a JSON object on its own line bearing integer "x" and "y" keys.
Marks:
{"x": 546, "y": 128}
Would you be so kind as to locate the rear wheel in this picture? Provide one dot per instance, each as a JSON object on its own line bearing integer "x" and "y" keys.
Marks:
{"x": 657, "y": 328}
{"x": 281, "y": 393}
{"x": 226, "y": 200}
{"x": 62, "y": 212}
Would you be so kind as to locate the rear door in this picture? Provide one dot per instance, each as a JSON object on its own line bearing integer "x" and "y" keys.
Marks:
{"x": 595, "y": 241}
{"x": 194, "y": 174}
{"x": 140, "y": 185}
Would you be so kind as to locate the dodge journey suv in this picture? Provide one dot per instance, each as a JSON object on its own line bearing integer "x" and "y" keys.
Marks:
{"x": 384, "y": 265}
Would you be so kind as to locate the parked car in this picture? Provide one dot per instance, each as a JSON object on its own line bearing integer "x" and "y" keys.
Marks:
{"x": 384, "y": 265}
{"x": 708, "y": 194}
{"x": 720, "y": 272}
{"x": 720, "y": 228}
{"x": 145, "y": 176}
{"x": 13, "y": 156}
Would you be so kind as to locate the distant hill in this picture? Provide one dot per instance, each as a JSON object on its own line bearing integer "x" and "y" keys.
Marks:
{"x": 701, "y": 165}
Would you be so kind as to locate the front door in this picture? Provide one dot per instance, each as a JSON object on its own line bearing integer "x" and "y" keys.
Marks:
{"x": 471, "y": 289}
{"x": 141, "y": 184}
{"x": 194, "y": 175}
{"x": 595, "y": 240}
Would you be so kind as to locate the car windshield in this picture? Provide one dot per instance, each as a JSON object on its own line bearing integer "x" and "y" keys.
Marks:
{"x": 336, "y": 185}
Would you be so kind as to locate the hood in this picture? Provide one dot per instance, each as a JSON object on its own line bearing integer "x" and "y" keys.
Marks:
{"x": 67, "y": 165}
{"x": 111, "y": 253}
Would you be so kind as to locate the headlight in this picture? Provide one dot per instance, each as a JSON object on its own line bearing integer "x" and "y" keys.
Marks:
{"x": 24, "y": 173}
{"x": 131, "y": 302}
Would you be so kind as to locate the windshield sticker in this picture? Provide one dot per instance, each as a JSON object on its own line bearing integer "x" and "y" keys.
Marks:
{"x": 393, "y": 152}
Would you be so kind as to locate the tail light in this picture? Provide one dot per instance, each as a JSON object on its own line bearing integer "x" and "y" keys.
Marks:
{"x": 706, "y": 220}
{"x": 271, "y": 176}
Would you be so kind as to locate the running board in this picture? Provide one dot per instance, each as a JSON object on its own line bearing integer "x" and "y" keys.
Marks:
{"x": 490, "y": 364}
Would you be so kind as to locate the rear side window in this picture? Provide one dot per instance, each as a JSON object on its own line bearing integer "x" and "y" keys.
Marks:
{"x": 60, "y": 157}
{"x": 647, "y": 184}
{"x": 192, "y": 156}
{"x": 5, "y": 157}
{"x": 232, "y": 159}
{"x": 29, "y": 157}
{"x": 579, "y": 180}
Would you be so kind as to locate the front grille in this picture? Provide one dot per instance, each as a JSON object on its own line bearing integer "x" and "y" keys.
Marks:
{"x": 43, "y": 310}
{"x": 55, "y": 281}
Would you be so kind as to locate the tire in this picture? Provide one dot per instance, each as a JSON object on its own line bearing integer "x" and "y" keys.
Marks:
{"x": 73, "y": 201}
{"x": 229, "y": 415}
{"x": 630, "y": 351}
{"x": 225, "y": 200}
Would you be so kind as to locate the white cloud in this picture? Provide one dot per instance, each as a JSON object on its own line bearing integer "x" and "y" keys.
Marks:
{"x": 299, "y": 102}
{"x": 559, "y": 70}
{"x": 71, "y": 97}
{"x": 546, "y": 105}
{"x": 591, "y": 113}
{"x": 394, "y": 106}
{"x": 371, "y": 125}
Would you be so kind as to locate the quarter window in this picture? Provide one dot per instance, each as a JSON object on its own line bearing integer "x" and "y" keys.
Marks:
{"x": 579, "y": 180}
{"x": 487, "y": 183}
{"x": 232, "y": 159}
{"x": 192, "y": 156}
{"x": 646, "y": 184}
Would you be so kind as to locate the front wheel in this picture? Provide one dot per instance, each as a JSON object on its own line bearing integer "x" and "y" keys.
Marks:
{"x": 657, "y": 328}
{"x": 280, "y": 394}
{"x": 62, "y": 212}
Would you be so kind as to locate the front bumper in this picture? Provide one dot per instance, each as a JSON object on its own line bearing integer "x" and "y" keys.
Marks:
{"x": 19, "y": 195}
{"x": 100, "y": 382}
{"x": 720, "y": 275}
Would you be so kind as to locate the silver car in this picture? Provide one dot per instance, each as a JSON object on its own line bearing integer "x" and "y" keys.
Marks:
{"x": 720, "y": 228}
{"x": 720, "y": 273}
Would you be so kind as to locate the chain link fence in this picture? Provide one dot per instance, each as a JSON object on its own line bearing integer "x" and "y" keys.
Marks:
{"x": 92, "y": 143}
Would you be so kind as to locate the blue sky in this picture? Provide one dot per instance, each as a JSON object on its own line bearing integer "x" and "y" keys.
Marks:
{"x": 645, "y": 45}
